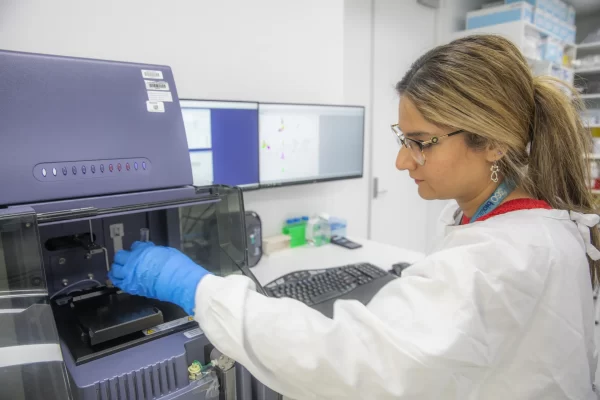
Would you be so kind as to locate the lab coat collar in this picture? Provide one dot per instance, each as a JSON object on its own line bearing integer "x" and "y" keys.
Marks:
{"x": 451, "y": 216}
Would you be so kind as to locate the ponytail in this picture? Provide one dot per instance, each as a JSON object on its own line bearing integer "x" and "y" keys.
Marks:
{"x": 558, "y": 169}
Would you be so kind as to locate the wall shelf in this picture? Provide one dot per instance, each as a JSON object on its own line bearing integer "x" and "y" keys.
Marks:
{"x": 594, "y": 70}
{"x": 514, "y": 31}
{"x": 518, "y": 32}
{"x": 549, "y": 64}
{"x": 591, "y": 96}
{"x": 589, "y": 46}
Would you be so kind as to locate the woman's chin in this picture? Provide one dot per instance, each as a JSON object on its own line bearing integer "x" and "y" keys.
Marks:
{"x": 426, "y": 193}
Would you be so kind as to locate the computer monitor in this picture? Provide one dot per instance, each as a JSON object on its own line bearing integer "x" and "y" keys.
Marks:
{"x": 223, "y": 142}
{"x": 309, "y": 143}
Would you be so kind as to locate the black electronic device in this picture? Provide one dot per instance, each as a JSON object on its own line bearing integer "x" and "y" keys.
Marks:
{"x": 345, "y": 242}
{"x": 399, "y": 267}
{"x": 320, "y": 288}
{"x": 254, "y": 237}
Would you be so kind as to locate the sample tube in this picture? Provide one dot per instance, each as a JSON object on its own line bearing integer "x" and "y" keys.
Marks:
{"x": 144, "y": 235}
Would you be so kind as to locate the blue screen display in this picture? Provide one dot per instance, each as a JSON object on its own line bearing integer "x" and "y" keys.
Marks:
{"x": 223, "y": 142}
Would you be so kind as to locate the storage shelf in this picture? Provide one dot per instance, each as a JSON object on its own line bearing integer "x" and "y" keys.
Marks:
{"x": 593, "y": 157}
{"x": 595, "y": 192}
{"x": 544, "y": 32}
{"x": 545, "y": 63}
{"x": 594, "y": 70}
{"x": 590, "y": 96}
{"x": 589, "y": 46}
{"x": 514, "y": 31}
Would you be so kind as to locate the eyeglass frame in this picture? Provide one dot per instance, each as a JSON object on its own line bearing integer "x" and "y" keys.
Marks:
{"x": 421, "y": 143}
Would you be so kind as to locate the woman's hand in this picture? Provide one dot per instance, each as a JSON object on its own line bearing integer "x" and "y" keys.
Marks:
{"x": 157, "y": 272}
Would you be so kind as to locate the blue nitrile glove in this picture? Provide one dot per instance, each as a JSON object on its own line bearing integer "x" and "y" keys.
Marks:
{"x": 157, "y": 272}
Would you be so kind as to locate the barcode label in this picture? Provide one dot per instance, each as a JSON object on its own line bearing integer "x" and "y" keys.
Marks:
{"x": 157, "y": 85}
{"x": 154, "y": 95}
{"x": 150, "y": 74}
{"x": 193, "y": 333}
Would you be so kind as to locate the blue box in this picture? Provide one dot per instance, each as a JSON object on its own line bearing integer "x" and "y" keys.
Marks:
{"x": 544, "y": 5}
{"x": 552, "y": 51}
{"x": 544, "y": 20}
{"x": 518, "y": 11}
{"x": 571, "y": 15}
{"x": 562, "y": 11}
{"x": 555, "y": 27}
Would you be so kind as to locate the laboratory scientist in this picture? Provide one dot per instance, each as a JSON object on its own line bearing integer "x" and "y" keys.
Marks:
{"x": 502, "y": 310}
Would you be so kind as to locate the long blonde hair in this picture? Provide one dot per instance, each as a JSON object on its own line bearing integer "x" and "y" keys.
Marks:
{"x": 482, "y": 84}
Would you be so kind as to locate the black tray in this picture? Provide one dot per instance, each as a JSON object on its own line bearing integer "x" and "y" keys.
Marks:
{"x": 114, "y": 316}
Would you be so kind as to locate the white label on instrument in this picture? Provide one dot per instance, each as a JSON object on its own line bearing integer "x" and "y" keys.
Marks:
{"x": 155, "y": 106}
{"x": 149, "y": 74}
{"x": 157, "y": 85}
{"x": 159, "y": 96}
{"x": 167, "y": 325}
{"x": 193, "y": 333}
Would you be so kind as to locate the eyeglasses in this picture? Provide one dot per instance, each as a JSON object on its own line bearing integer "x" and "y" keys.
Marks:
{"x": 417, "y": 147}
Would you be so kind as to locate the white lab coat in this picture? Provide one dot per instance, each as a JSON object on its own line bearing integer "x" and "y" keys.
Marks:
{"x": 503, "y": 310}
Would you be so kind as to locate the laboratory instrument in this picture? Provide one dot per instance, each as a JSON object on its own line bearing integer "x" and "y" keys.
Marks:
{"x": 95, "y": 157}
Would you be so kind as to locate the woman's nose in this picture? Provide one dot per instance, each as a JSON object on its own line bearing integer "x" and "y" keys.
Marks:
{"x": 404, "y": 160}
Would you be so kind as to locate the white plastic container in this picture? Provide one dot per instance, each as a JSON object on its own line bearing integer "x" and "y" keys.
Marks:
{"x": 318, "y": 231}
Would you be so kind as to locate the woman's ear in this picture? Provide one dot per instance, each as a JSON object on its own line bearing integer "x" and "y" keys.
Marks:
{"x": 494, "y": 153}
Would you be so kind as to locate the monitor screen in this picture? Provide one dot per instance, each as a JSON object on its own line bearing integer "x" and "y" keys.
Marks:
{"x": 223, "y": 142}
{"x": 309, "y": 143}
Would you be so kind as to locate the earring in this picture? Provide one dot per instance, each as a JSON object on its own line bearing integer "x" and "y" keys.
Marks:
{"x": 495, "y": 169}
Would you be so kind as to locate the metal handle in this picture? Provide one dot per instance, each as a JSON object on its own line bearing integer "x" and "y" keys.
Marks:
{"x": 376, "y": 191}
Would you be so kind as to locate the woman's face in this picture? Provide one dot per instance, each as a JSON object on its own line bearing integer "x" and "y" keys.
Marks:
{"x": 452, "y": 170}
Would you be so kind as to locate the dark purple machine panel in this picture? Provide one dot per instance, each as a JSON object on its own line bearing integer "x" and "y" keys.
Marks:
{"x": 72, "y": 128}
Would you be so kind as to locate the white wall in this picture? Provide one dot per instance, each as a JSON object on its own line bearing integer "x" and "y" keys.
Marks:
{"x": 266, "y": 50}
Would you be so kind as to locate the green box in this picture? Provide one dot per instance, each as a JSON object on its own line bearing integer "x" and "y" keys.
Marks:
{"x": 297, "y": 233}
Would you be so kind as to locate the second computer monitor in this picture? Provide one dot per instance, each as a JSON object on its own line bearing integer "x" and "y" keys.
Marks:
{"x": 309, "y": 143}
{"x": 223, "y": 141}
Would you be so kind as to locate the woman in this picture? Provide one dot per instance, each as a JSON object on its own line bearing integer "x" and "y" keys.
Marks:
{"x": 502, "y": 310}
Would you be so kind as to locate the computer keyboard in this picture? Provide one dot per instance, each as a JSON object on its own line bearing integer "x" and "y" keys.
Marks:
{"x": 316, "y": 286}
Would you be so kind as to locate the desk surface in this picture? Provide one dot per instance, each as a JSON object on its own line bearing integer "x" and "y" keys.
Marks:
{"x": 307, "y": 257}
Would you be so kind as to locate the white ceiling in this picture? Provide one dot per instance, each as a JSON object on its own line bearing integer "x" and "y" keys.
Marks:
{"x": 585, "y": 6}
